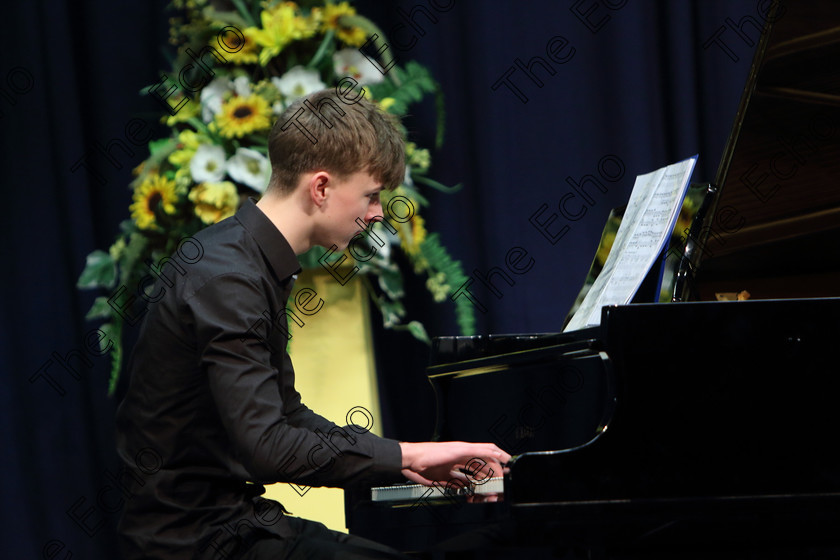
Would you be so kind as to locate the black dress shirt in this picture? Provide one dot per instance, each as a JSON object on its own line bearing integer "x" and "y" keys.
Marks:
{"x": 212, "y": 412}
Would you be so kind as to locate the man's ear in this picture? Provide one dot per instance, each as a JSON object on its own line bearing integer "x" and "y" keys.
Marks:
{"x": 318, "y": 185}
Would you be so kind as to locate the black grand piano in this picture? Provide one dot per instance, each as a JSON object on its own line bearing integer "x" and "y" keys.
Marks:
{"x": 692, "y": 429}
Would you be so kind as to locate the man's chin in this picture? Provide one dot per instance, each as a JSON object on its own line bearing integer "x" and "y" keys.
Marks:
{"x": 359, "y": 235}
{"x": 340, "y": 245}
{"x": 337, "y": 246}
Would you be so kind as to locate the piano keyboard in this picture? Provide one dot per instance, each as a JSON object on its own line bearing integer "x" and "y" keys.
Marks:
{"x": 412, "y": 492}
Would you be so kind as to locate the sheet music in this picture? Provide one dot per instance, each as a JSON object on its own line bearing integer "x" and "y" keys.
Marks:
{"x": 645, "y": 229}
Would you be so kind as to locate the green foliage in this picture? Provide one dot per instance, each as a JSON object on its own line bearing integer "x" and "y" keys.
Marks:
{"x": 99, "y": 272}
{"x": 409, "y": 85}
{"x": 441, "y": 262}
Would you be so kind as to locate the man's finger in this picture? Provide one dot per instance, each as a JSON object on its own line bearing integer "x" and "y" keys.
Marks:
{"x": 414, "y": 477}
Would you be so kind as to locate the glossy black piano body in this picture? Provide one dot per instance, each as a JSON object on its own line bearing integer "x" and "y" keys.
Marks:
{"x": 702, "y": 423}
{"x": 723, "y": 433}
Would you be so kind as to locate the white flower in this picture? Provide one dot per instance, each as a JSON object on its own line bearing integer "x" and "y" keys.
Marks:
{"x": 208, "y": 164}
{"x": 249, "y": 167}
{"x": 242, "y": 86}
{"x": 352, "y": 63}
{"x": 298, "y": 82}
{"x": 212, "y": 97}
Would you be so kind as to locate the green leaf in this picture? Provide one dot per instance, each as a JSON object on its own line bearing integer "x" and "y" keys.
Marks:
{"x": 391, "y": 283}
{"x": 134, "y": 250}
{"x": 100, "y": 309}
{"x": 100, "y": 271}
{"x": 128, "y": 226}
{"x": 406, "y": 86}
{"x": 113, "y": 335}
{"x": 423, "y": 180}
{"x": 440, "y": 261}
{"x": 163, "y": 144}
{"x": 247, "y": 17}
{"x": 418, "y": 331}
{"x": 440, "y": 107}
{"x": 322, "y": 49}
{"x": 199, "y": 126}
{"x": 392, "y": 312}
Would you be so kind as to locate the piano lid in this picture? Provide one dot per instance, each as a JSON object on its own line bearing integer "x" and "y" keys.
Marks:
{"x": 777, "y": 217}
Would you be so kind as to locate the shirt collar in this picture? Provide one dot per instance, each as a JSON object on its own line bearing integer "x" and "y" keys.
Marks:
{"x": 280, "y": 255}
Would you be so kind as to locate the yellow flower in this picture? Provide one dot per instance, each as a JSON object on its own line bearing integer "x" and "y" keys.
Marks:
{"x": 414, "y": 237}
{"x": 184, "y": 151}
{"x": 386, "y": 102}
{"x": 248, "y": 54}
{"x": 281, "y": 24}
{"x": 418, "y": 231}
{"x": 418, "y": 158}
{"x": 349, "y": 34}
{"x": 334, "y": 11}
{"x": 153, "y": 191}
{"x": 188, "y": 142}
{"x": 242, "y": 115}
{"x": 685, "y": 217}
{"x": 604, "y": 247}
{"x": 352, "y": 36}
{"x": 187, "y": 111}
{"x": 214, "y": 201}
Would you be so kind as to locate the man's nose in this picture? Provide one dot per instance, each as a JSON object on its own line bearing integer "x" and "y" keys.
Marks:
{"x": 374, "y": 213}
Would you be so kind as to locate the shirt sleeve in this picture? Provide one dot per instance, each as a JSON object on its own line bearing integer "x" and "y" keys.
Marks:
{"x": 233, "y": 328}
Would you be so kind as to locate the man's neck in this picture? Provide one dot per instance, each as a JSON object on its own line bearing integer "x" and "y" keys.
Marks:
{"x": 288, "y": 216}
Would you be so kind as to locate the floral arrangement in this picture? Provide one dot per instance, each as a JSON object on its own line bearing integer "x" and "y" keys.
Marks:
{"x": 215, "y": 156}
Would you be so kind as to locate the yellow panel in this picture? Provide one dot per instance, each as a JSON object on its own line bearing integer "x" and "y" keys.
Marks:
{"x": 335, "y": 372}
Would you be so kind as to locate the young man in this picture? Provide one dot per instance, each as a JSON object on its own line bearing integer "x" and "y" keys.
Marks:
{"x": 212, "y": 412}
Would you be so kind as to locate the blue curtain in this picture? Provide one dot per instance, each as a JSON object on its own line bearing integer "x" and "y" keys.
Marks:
{"x": 543, "y": 98}
{"x": 626, "y": 87}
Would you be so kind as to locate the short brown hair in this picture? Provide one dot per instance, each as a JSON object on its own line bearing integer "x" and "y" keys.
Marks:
{"x": 326, "y": 131}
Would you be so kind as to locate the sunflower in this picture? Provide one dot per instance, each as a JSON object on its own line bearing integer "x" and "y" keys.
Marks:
{"x": 246, "y": 51}
{"x": 349, "y": 34}
{"x": 334, "y": 11}
{"x": 154, "y": 191}
{"x": 334, "y": 17}
{"x": 242, "y": 115}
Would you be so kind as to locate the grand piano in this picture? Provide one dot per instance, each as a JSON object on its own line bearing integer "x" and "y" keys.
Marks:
{"x": 693, "y": 428}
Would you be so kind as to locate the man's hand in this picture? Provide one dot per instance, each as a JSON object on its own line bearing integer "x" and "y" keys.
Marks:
{"x": 430, "y": 462}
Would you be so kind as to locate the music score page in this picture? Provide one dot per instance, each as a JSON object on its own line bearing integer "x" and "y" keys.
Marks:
{"x": 644, "y": 232}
